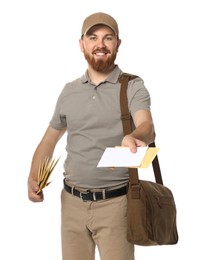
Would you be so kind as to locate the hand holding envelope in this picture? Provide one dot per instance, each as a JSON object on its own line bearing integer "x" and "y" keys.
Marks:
{"x": 123, "y": 157}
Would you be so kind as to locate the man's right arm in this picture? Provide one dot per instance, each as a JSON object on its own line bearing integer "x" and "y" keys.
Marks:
{"x": 44, "y": 149}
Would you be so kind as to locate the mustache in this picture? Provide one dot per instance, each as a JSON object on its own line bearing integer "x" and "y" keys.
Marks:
{"x": 105, "y": 50}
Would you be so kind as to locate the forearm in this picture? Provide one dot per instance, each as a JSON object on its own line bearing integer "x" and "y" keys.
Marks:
{"x": 144, "y": 132}
{"x": 141, "y": 136}
{"x": 44, "y": 150}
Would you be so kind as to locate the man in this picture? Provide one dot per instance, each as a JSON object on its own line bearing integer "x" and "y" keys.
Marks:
{"x": 94, "y": 199}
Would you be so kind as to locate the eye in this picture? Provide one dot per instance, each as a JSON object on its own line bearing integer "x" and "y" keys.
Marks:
{"x": 93, "y": 38}
{"x": 109, "y": 38}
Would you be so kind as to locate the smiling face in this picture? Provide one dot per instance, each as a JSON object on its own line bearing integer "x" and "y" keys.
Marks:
{"x": 100, "y": 46}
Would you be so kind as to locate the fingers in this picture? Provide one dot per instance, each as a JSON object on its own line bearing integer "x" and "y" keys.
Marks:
{"x": 133, "y": 147}
{"x": 32, "y": 192}
{"x": 35, "y": 197}
{"x": 140, "y": 143}
{"x": 132, "y": 143}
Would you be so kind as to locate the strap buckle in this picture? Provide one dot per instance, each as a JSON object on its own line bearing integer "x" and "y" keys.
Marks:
{"x": 125, "y": 117}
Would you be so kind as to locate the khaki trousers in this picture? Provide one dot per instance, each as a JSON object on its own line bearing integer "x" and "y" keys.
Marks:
{"x": 85, "y": 224}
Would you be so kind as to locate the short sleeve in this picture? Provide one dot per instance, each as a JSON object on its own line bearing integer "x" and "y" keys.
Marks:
{"x": 138, "y": 96}
{"x": 58, "y": 120}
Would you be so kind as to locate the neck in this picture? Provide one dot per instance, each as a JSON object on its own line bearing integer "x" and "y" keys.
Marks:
{"x": 98, "y": 77}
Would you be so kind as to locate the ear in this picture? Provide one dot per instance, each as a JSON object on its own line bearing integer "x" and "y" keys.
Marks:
{"x": 118, "y": 44}
{"x": 81, "y": 45}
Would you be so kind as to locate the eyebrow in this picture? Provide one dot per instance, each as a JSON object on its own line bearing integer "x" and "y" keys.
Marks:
{"x": 108, "y": 34}
{"x": 94, "y": 34}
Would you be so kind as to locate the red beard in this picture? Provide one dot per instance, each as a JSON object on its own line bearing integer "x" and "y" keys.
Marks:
{"x": 100, "y": 65}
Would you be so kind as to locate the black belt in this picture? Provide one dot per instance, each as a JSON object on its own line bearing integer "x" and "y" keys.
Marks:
{"x": 104, "y": 194}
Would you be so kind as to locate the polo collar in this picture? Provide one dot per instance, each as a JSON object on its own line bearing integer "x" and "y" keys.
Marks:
{"x": 112, "y": 78}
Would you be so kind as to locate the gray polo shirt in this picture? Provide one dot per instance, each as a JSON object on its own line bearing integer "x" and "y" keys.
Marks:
{"x": 92, "y": 117}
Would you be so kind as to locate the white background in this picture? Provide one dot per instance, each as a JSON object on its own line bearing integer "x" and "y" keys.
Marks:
{"x": 163, "y": 42}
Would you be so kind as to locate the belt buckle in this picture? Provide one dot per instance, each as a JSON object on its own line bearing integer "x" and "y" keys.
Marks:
{"x": 93, "y": 196}
{"x": 82, "y": 197}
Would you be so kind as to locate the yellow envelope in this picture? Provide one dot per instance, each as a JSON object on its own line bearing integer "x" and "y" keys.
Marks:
{"x": 149, "y": 157}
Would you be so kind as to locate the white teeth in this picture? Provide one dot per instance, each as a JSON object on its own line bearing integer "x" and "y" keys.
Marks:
{"x": 100, "y": 53}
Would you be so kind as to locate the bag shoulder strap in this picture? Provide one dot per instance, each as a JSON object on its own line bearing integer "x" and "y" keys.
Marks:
{"x": 126, "y": 122}
{"x": 125, "y": 115}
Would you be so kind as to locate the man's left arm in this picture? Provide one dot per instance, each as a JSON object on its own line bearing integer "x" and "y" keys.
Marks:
{"x": 144, "y": 132}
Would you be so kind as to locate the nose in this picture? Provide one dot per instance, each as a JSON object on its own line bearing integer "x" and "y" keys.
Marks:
{"x": 100, "y": 42}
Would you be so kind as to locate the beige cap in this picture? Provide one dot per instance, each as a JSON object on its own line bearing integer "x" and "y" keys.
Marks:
{"x": 99, "y": 18}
